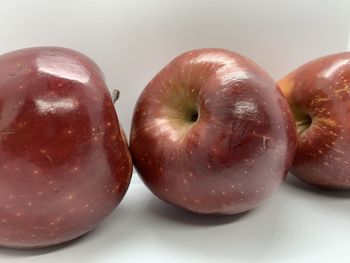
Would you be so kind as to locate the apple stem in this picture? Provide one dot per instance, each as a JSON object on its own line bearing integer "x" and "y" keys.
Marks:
{"x": 115, "y": 95}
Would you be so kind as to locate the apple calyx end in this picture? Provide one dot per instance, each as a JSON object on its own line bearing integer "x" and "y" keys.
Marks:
{"x": 303, "y": 125}
{"x": 194, "y": 116}
{"x": 302, "y": 119}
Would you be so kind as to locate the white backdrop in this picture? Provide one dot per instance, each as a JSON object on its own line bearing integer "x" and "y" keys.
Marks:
{"x": 131, "y": 41}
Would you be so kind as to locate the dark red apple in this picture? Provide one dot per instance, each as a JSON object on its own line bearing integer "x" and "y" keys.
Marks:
{"x": 319, "y": 95}
{"x": 63, "y": 163}
{"x": 212, "y": 133}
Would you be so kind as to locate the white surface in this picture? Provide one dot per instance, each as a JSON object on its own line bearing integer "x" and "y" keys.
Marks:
{"x": 298, "y": 224}
{"x": 131, "y": 41}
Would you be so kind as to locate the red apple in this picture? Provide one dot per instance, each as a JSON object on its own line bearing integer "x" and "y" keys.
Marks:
{"x": 63, "y": 163}
{"x": 319, "y": 95}
{"x": 212, "y": 133}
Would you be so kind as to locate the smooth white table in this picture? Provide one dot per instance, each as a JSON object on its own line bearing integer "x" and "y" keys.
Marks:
{"x": 297, "y": 224}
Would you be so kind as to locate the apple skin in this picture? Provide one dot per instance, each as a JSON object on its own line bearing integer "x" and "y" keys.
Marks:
{"x": 234, "y": 155}
{"x": 319, "y": 95}
{"x": 63, "y": 163}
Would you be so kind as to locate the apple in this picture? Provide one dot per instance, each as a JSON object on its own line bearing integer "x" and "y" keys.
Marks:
{"x": 63, "y": 163}
{"x": 319, "y": 96}
{"x": 212, "y": 133}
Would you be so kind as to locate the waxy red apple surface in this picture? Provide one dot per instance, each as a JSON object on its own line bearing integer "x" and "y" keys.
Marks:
{"x": 212, "y": 133}
{"x": 63, "y": 163}
{"x": 319, "y": 95}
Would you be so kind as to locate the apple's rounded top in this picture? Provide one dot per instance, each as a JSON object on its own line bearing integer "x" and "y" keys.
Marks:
{"x": 51, "y": 50}
{"x": 328, "y": 58}
{"x": 220, "y": 57}
{"x": 319, "y": 70}
{"x": 51, "y": 62}
{"x": 56, "y": 57}
{"x": 336, "y": 60}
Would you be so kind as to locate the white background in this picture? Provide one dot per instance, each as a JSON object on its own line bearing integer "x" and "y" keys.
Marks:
{"x": 131, "y": 41}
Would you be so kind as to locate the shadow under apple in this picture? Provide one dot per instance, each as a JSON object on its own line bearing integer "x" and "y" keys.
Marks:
{"x": 170, "y": 212}
{"x": 244, "y": 237}
{"x": 41, "y": 251}
{"x": 295, "y": 182}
